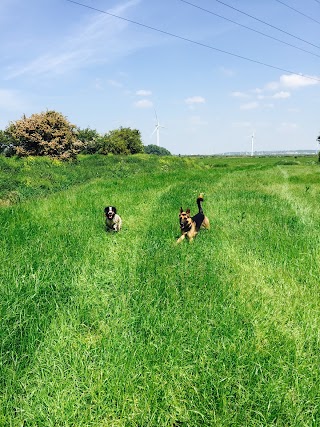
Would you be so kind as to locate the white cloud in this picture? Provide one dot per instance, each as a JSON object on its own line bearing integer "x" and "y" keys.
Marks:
{"x": 143, "y": 103}
{"x": 272, "y": 86}
{"x": 85, "y": 46}
{"x": 48, "y": 63}
{"x": 195, "y": 100}
{"x": 143, "y": 92}
{"x": 281, "y": 95}
{"x": 249, "y": 106}
{"x": 257, "y": 91}
{"x": 237, "y": 94}
{"x": 269, "y": 105}
{"x": 292, "y": 81}
{"x": 115, "y": 83}
{"x": 278, "y": 95}
{"x": 286, "y": 81}
{"x": 296, "y": 81}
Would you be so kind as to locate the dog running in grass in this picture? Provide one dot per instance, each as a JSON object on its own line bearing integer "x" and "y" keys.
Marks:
{"x": 113, "y": 220}
{"x": 190, "y": 226}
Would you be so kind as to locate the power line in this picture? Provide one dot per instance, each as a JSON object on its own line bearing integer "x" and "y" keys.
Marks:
{"x": 298, "y": 11}
{"x": 266, "y": 23}
{"x": 248, "y": 28}
{"x": 193, "y": 41}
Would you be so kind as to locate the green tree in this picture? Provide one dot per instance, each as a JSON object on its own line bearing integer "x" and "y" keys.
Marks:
{"x": 3, "y": 137}
{"x": 122, "y": 141}
{"x": 45, "y": 134}
{"x": 6, "y": 146}
{"x": 90, "y": 139}
{"x": 154, "y": 149}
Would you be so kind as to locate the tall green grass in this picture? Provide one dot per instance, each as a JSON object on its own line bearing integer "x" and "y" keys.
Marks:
{"x": 101, "y": 329}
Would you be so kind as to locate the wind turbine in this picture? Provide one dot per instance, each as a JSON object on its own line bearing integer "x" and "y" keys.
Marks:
{"x": 157, "y": 129}
{"x": 252, "y": 143}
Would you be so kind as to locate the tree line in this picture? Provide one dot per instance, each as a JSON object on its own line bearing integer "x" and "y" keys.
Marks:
{"x": 51, "y": 134}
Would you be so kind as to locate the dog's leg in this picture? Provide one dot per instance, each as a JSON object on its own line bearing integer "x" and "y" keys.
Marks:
{"x": 191, "y": 236}
{"x": 182, "y": 237}
{"x": 206, "y": 223}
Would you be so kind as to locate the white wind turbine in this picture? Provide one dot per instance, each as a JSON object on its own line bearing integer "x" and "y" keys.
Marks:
{"x": 252, "y": 143}
{"x": 157, "y": 129}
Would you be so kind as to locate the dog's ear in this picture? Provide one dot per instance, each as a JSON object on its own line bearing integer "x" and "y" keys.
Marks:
{"x": 188, "y": 211}
{"x": 181, "y": 210}
{"x": 114, "y": 210}
{"x": 105, "y": 210}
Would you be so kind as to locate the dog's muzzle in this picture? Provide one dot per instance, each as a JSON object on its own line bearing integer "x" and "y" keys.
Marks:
{"x": 110, "y": 215}
{"x": 185, "y": 226}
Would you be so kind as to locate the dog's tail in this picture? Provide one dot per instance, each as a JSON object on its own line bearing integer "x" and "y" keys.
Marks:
{"x": 199, "y": 200}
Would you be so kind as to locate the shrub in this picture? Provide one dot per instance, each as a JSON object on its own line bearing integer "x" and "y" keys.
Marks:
{"x": 46, "y": 134}
{"x": 6, "y": 146}
{"x": 122, "y": 141}
{"x": 90, "y": 139}
{"x": 7, "y": 150}
{"x": 154, "y": 149}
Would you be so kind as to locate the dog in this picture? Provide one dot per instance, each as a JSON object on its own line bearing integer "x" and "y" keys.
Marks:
{"x": 113, "y": 220}
{"x": 190, "y": 226}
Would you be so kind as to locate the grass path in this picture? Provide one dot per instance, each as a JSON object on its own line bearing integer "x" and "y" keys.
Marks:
{"x": 129, "y": 330}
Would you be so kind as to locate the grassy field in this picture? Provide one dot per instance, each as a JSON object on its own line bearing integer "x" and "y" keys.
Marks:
{"x": 101, "y": 329}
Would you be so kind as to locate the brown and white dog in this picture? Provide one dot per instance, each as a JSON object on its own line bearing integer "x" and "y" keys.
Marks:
{"x": 190, "y": 226}
{"x": 113, "y": 220}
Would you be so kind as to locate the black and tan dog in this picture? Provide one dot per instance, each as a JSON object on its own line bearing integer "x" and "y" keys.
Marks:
{"x": 190, "y": 226}
{"x": 113, "y": 220}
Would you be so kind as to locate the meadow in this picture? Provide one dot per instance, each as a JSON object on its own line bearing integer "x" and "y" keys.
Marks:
{"x": 103, "y": 329}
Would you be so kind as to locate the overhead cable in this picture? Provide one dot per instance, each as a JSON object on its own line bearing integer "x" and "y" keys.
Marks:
{"x": 249, "y": 28}
{"x": 266, "y": 23}
{"x": 298, "y": 11}
{"x": 193, "y": 41}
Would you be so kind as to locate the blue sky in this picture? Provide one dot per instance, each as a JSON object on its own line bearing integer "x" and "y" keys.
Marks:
{"x": 104, "y": 72}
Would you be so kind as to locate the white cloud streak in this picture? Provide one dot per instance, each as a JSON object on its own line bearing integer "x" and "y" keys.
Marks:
{"x": 143, "y": 103}
{"x": 195, "y": 100}
{"x": 238, "y": 94}
{"x": 281, "y": 95}
{"x": 249, "y": 106}
{"x": 143, "y": 92}
{"x": 100, "y": 40}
